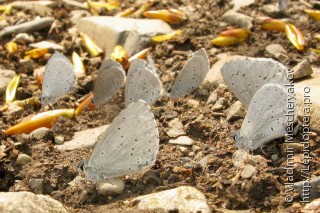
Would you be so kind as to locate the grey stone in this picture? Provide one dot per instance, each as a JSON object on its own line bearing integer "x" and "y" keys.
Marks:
{"x": 14, "y": 110}
{"x": 5, "y": 78}
{"x": 30, "y": 26}
{"x": 39, "y": 133}
{"x": 248, "y": 171}
{"x": 236, "y": 111}
{"x": 13, "y": 202}
{"x": 110, "y": 187}
{"x": 23, "y": 159}
{"x": 212, "y": 98}
{"x": 46, "y": 44}
{"x": 132, "y": 34}
{"x": 313, "y": 187}
{"x": 82, "y": 139}
{"x": 275, "y": 49}
{"x": 76, "y": 15}
{"x": 182, "y": 199}
{"x": 238, "y": 19}
{"x": 302, "y": 69}
{"x": 36, "y": 185}
{"x": 237, "y": 4}
{"x": 193, "y": 103}
{"x": 182, "y": 140}
{"x": 176, "y": 128}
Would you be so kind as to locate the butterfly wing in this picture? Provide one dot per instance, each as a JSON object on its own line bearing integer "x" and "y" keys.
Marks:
{"x": 244, "y": 77}
{"x": 58, "y": 78}
{"x": 265, "y": 119}
{"x": 142, "y": 83}
{"x": 191, "y": 75}
{"x": 111, "y": 77}
{"x": 128, "y": 145}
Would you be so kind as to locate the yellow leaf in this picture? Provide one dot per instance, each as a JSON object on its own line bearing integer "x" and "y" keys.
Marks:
{"x": 78, "y": 65}
{"x": 120, "y": 55}
{"x": 11, "y": 47}
{"x": 315, "y": 14}
{"x": 142, "y": 9}
{"x": 225, "y": 41}
{"x": 8, "y": 10}
{"x": 241, "y": 34}
{"x": 92, "y": 48}
{"x": 68, "y": 113}
{"x": 166, "y": 37}
{"x": 126, "y": 12}
{"x": 111, "y": 5}
{"x": 36, "y": 53}
{"x": 83, "y": 104}
{"x": 295, "y": 37}
{"x": 171, "y": 16}
{"x": 268, "y": 23}
{"x": 315, "y": 50}
{"x": 12, "y": 88}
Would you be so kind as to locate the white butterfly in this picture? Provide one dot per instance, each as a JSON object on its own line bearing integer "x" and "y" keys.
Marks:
{"x": 129, "y": 144}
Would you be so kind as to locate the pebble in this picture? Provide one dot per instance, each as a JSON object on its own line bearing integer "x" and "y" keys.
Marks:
{"x": 5, "y": 78}
{"x": 36, "y": 185}
{"x": 48, "y": 45}
{"x": 12, "y": 202}
{"x": 59, "y": 139}
{"x": 248, "y": 171}
{"x": 236, "y": 111}
{"x": 182, "y": 140}
{"x": 193, "y": 103}
{"x": 275, "y": 49}
{"x": 181, "y": 199}
{"x": 176, "y": 128}
{"x": 31, "y": 26}
{"x": 23, "y": 159}
{"x": 39, "y": 133}
{"x": 110, "y": 187}
{"x": 14, "y": 110}
{"x": 217, "y": 107}
{"x": 270, "y": 9}
{"x": 212, "y": 98}
{"x": 239, "y": 19}
{"x": 302, "y": 69}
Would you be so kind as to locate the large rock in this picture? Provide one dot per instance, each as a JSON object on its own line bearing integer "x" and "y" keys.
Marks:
{"x": 214, "y": 76}
{"x": 18, "y": 202}
{"x": 5, "y": 78}
{"x": 132, "y": 34}
{"x": 83, "y": 139}
{"x": 182, "y": 199}
{"x": 310, "y": 87}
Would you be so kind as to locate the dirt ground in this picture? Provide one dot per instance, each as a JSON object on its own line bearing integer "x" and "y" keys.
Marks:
{"x": 211, "y": 132}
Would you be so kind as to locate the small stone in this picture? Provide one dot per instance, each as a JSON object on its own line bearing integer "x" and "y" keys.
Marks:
{"x": 176, "y": 128}
{"x": 212, "y": 98}
{"x": 204, "y": 161}
{"x": 182, "y": 140}
{"x": 237, "y": 4}
{"x": 193, "y": 103}
{"x": 248, "y": 171}
{"x": 182, "y": 199}
{"x": 236, "y": 111}
{"x": 48, "y": 45}
{"x": 23, "y": 138}
{"x": 59, "y": 139}
{"x": 222, "y": 101}
{"x": 301, "y": 70}
{"x": 27, "y": 64}
{"x": 3, "y": 23}
{"x": 39, "y": 133}
{"x": 110, "y": 187}
{"x": 239, "y": 19}
{"x": 275, "y": 49}
{"x": 270, "y": 9}
{"x": 36, "y": 185}
{"x": 14, "y": 110}
{"x": 217, "y": 107}
{"x": 23, "y": 159}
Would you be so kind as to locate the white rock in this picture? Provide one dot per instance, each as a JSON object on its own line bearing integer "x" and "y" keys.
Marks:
{"x": 5, "y": 78}
{"x": 23, "y": 37}
{"x": 193, "y": 103}
{"x": 23, "y": 159}
{"x": 46, "y": 44}
{"x": 59, "y": 139}
{"x": 214, "y": 76}
{"x": 132, "y": 34}
{"x": 110, "y": 187}
{"x": 82, "y": 139}
{"x": 13, "y": 202}
{"x": 176, "y": 128}
{"x": 302, "y": 69}
{"x": 39, "y": 133}
{"x": 248, "y": 171}
{"x": 270, "y": 9}
{"x": 275, "y": 49}
{"x": 239, "y": 19}
{"x": 236, "y": 111}
{"x": 183, "y": 199}
{"x": 301, "y": 90}
{"x": 27, "y": 4}
{"x": 237, "y": 4}
{"x": 182, "y": 140}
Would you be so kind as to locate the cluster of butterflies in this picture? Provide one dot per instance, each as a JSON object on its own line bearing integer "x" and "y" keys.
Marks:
{"x": 132, "y": 140}
{"x": 262, "y": 87}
